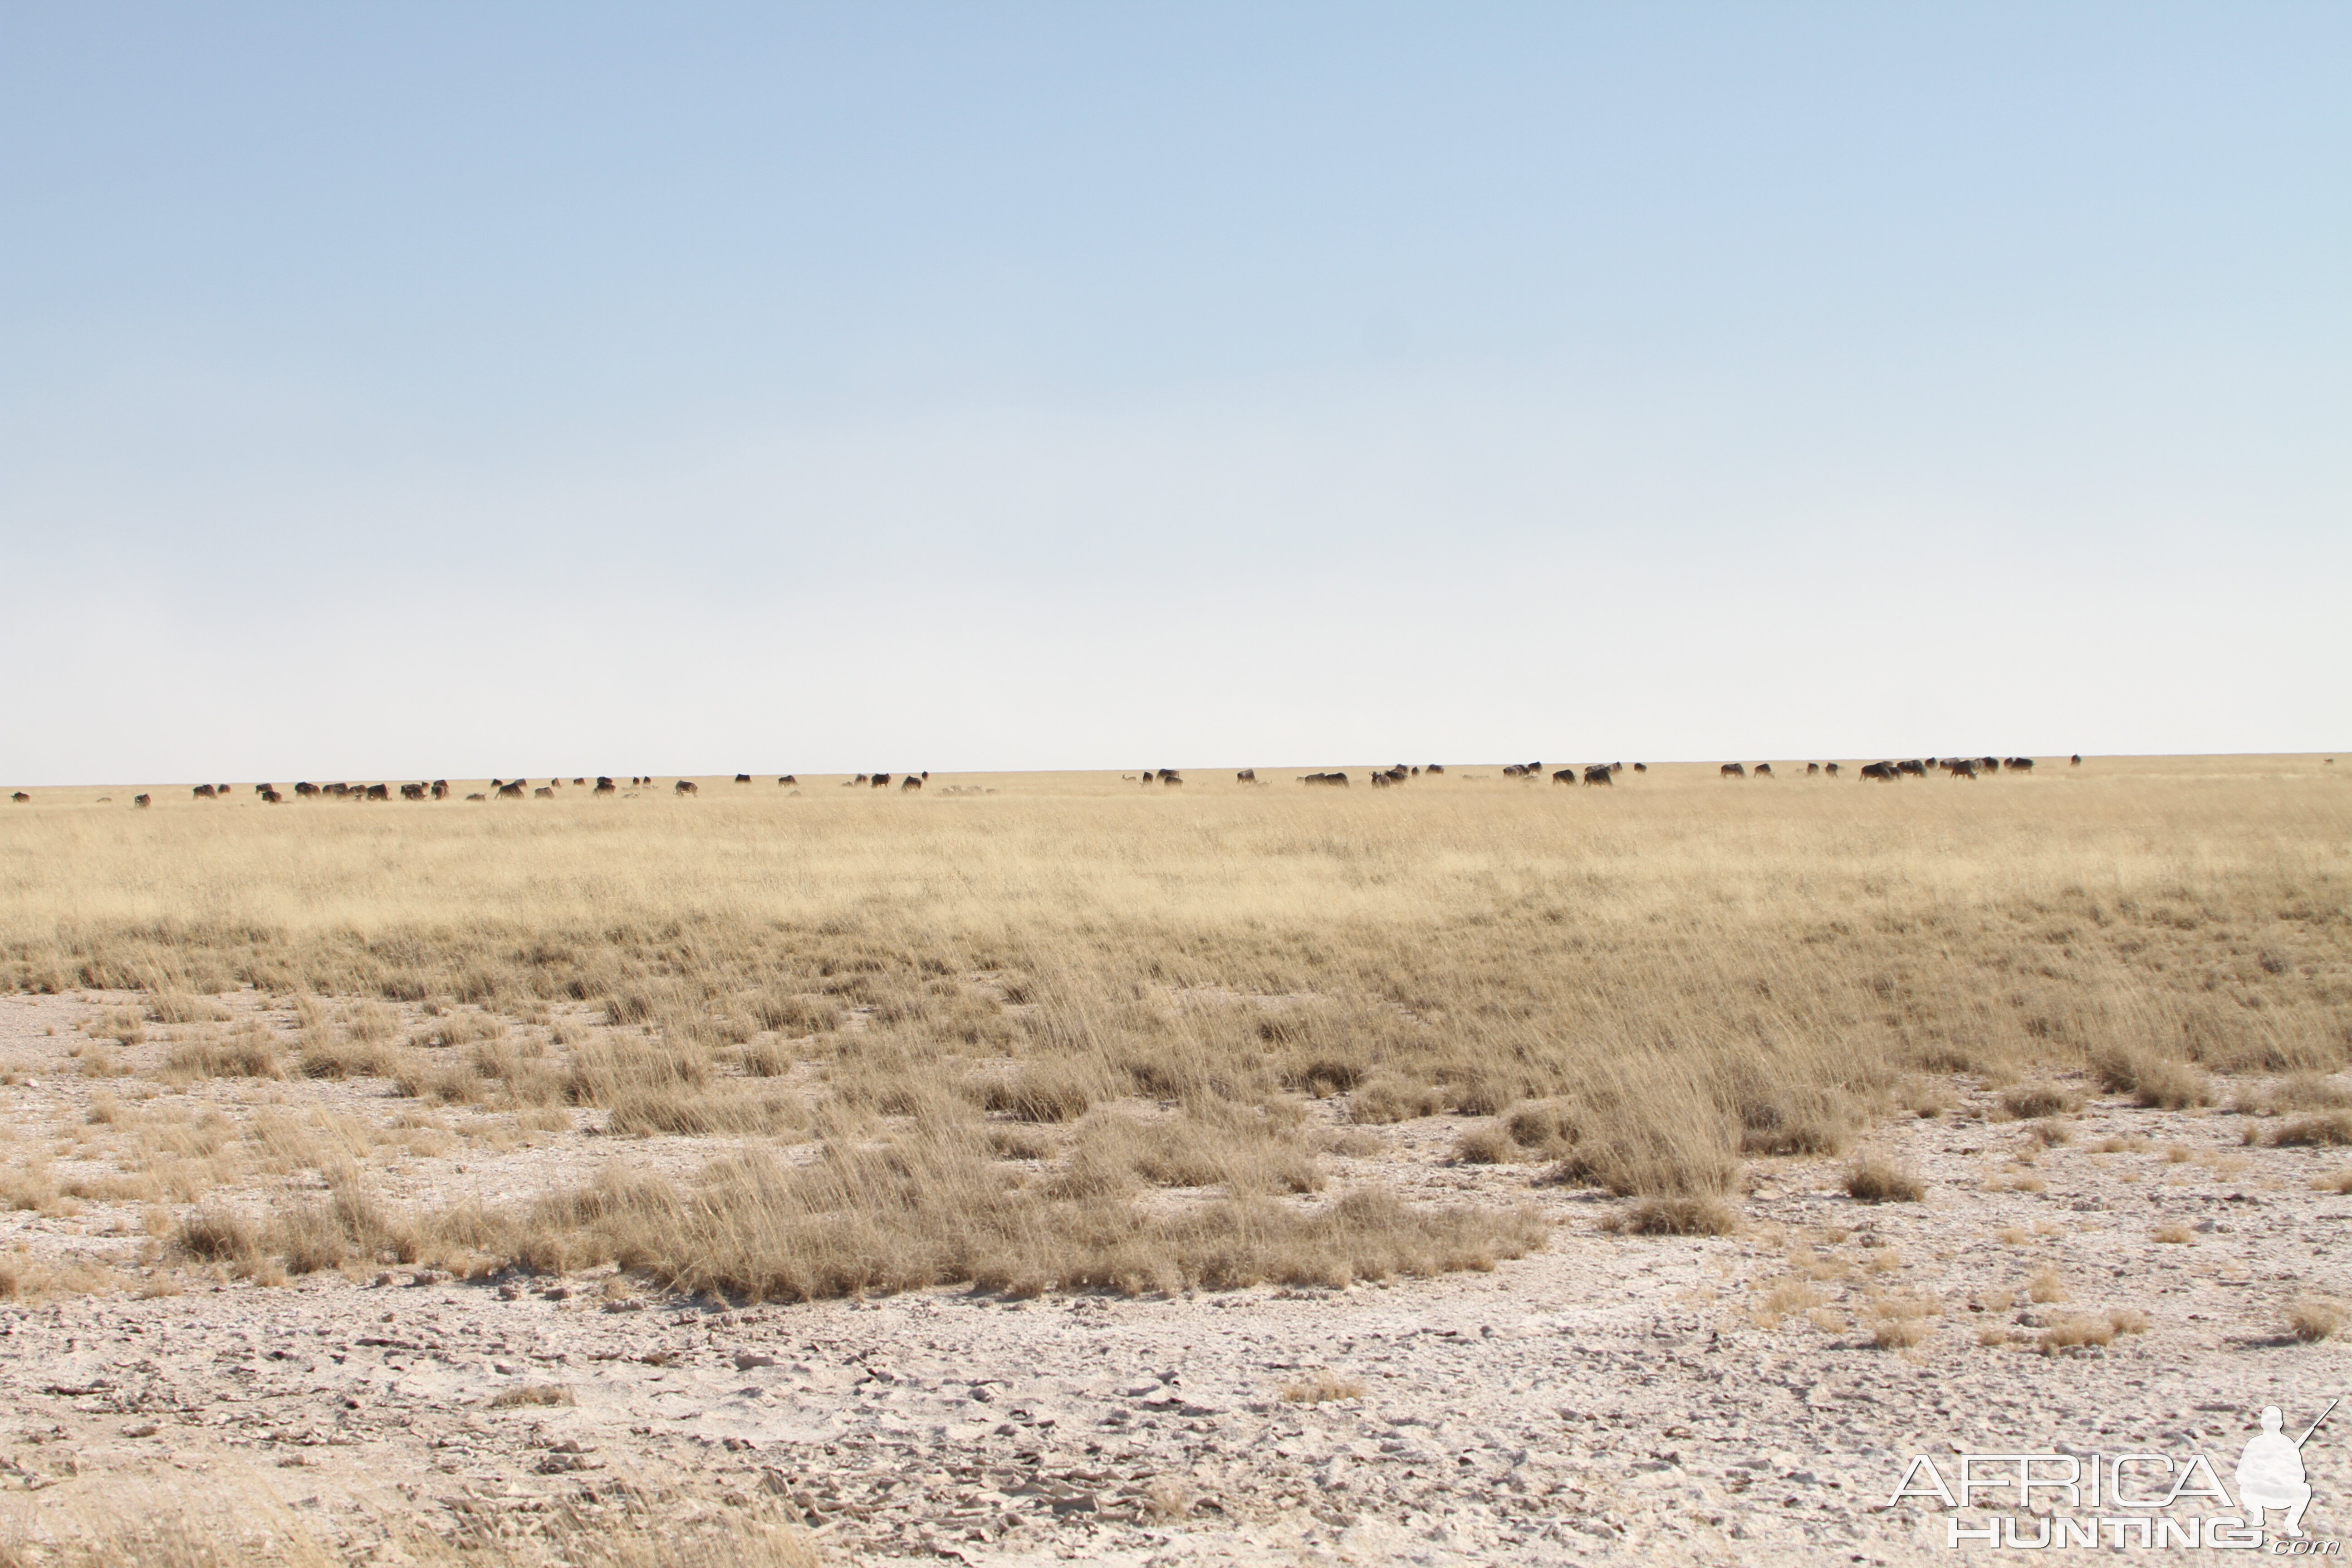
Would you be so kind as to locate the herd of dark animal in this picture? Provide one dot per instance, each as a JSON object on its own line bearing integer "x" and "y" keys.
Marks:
{"x": 1385, "y": 778}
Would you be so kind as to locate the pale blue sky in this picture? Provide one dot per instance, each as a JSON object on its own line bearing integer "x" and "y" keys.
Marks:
{"x": 401, "y": 390}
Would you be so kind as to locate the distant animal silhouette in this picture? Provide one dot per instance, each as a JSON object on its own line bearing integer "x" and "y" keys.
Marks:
{"x": 909, "y": 781}
{"x": 142, "y": 802}
{"x": 20, "y": 797}
{"x": 1600, "y": 775}
{"x": 1335, "y": 781}
{"x": 1734, "y": 770}
{"x": 684, "y": 786}
{"x": 509, "y": 791}
{"x": 1246, "y": 776}
{"x": 203, "y": 791}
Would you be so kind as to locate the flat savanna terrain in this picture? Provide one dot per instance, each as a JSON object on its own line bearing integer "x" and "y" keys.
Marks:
{"x": 1054, "y": 1167}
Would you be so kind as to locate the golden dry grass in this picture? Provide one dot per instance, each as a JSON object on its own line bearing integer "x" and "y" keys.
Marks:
{"x": 1014, "y": 1023}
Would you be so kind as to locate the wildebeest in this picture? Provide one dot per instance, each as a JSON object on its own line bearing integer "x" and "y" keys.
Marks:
{"x": 306, "y": 788}
{"x": 878, "y": 781}
{"x": 272, "y": 797}
{"x": 578, "y": 781}
{"x": 1434, "y": 768}
{"x": 742, "y": 778}
{"x": 378, "y": 792}
{"x": 1337, "y": 780}
{"x": 1565, "y": 775}
{"x": 1882, "y": 772}
{"x": 787, "y": 779}
{"x": 1641, "y": 767}
{"x": 847, "y": 783}
{"x": 263, "y": 788}
{"x": 1379, "y": 779}
{"x": 411, "y": 792}
{"x": 684, "y": 786}
{"x": 603, "y": 785}
{"x": 1514, "y": 771}
{"x": 2019, "y": 764}
{"x": 1599, "y": 774}
{"x": 1246, "y": 776}
{"x": 508, "y": 791}
{"x": 203, "y": 791}
{"x": 1763, "y": 770}
{"x": 1915, "y": 767}
{"x": 2078, "y": 761}
{"x": 1416, "y": 772}
{"x": 20, "y": 797}
{"x": 909, "y": 781}
{"x": 142, "y": 802}
{"x": 1733, "y": 771}
{"x": 1961, "y": 768}
{"x": 440, "y": 789}
{"x": 1831, "y": 769}
{"x": 544, "y": 793}
{"x": 1813, "y": 769}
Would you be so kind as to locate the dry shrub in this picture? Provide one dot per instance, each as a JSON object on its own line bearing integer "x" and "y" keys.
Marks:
{"x": 218, "y": 1236}
{"x": 532, "y": 1394}
{"x": 2082, "y": 1330}
{"x": 1650, "y": 1135}
{"x": 1901, "y": 1322}
{"x": 1245, "y": 1150}
{"x": 1546, "y": 1128}
{"x": 2335, "y": 1181}
{"x": 2025, "y": 1101}
{"x": 2155, "y": 1082}
{"x": 2313, "y": 1318}
{"x": 2045, "y": 1287}
{"x": 935, "y": 1211}
{"x": 769, "y": 1058}
{"x": 239, "y": 1056}
{"x": 323, "y": 1055}
{"x": 1674, "y": 1216}
{"x": 2312, "y": 1091}
{"x": 1018, "y": 1143}
{"x": 179, "y": 1007}
{"x": 1319, "y": 1387}
{"x": 792, "y": 1015}
{"x": 2047, "y": 1134}
{"x": 1045, "y": 1091}
{"x": 372, "y": 1021}
{"x": 1875, "y": 1178}
{"x": 1385, "y": 1100}
{"x": 32, "y": 1188}
{"x": 1778, "y": 1115}
{"x": 1488, "y": 1145}
{"x": 2331, "y": 1130}
{"x": 2173, "y": 1235}
{"x": 439, "y": 1032}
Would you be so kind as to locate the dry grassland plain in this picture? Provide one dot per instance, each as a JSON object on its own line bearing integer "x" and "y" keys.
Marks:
{"x": 1055, "y": 1036}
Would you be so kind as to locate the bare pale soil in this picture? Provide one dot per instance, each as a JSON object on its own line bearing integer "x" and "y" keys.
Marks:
{"x": 1088, "y": 1171}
